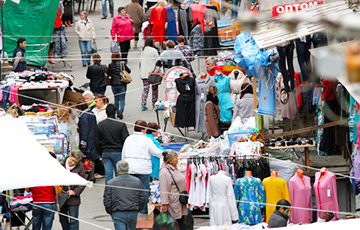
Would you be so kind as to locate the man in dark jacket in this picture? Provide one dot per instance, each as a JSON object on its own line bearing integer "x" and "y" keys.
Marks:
{"x": 281, "y": 214}
{"x": 110, "y": 136}
{"x": 71, "y": 206}
{"x": 123, "y": 204}
{"x": 19, "y": 56}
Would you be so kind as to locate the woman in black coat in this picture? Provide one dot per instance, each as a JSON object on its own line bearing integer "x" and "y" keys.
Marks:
{"x": 96, "y": 74}
{"x": 117, "y": 86}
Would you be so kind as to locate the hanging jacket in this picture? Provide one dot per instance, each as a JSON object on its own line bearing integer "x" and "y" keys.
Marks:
{"x": 96, "y": 75}
{"x": 122, "y": 27}
{"x": 185, "y": 21}
{"x": 211, "y": 41}
{"x": 114, "y": 73}
{"x": 196, "y": 40}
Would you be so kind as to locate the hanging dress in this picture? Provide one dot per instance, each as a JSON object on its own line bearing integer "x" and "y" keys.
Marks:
{"x": 201, "y": 92}
{"x": 171, "y": 30}
{"x": 222, "y": 82}
{"x": 185, "y": 105}
{"x": 198, "y": 11}
{"x": 158, "y": 17}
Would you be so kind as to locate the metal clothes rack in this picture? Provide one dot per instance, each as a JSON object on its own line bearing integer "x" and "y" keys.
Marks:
{"x": 42, "y": 48}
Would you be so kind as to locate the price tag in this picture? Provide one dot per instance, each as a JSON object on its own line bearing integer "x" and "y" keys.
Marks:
{"x": 328, "y": 193}
{"x": 202, "y": 95}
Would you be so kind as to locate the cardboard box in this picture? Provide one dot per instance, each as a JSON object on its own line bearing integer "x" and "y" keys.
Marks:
{"x": 228, "y": 34}
{"x": 172, "y": 118}
{"x": 71, "y": 96}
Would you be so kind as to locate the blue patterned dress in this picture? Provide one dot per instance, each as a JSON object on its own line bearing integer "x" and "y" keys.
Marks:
{"x": 250, "y": 192}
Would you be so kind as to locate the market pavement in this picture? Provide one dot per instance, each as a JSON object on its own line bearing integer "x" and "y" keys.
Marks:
{"x": 91, "y": 208}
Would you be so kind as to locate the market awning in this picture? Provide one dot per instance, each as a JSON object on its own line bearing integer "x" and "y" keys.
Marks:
{"x": 273, "y": 33}
{"x": 24, "y": 162}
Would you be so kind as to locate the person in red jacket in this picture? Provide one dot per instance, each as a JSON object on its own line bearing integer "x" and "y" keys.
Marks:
{"x": 122, "y": 31}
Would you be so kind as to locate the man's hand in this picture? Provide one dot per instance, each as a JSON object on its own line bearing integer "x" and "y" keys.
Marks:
{"x": 164, "y": 208}
{"x": 72, "y": 116}
{"x": 71, "y": 193}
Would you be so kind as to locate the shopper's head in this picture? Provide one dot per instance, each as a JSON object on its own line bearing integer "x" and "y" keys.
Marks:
{"x": 75, "y": 157}
{"x": 140, "y": 126}
{"x": 135, "y": 1}
{"x": 83, "y": 15}
{"x": 122, "y": 11}
{"x": 283, "y": 206}
{"x": 162, "y": 3}
{"x": 181, "y": 40}
{"x": 111, "y": 110}
{"x": 246, "y": 88}
{"x": 96, "y": 58}
{"x": 88, "y": 97}
{"x": 81, "y": 105}
{"x": 21, "y": 42}
{"x": 169, "y": 44}
{"x": 13, "y": 111}
{"x": 115, "y": 56}
{"x": 170, "y": 157}
{"x": 212, "y": 90}
{"x": 149, "y": 42}
{"x": 122, "y": 167}
{"x": 210, "y": 63}
{"x": 101, "y": 100}
{"x": 153, "y": 128}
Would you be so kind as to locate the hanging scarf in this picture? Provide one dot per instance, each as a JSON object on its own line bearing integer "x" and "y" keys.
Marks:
{"x": 214, "y": 100}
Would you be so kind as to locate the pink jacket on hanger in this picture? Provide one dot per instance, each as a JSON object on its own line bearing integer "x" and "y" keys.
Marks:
{"x": 300, "y": 196}
{"x": 122, "y": 27}
{"x": 326, "y": 194}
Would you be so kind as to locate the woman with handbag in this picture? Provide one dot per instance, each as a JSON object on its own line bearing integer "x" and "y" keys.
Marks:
{"x": 147, "y": 61}
{"x": 172, "y": 184}
{"x": 117, "y": 85}
{"x": 96, "y": 74}
{"x": 212, "y": 112}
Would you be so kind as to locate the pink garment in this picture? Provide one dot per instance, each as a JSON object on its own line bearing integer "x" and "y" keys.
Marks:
{"x": 300, "y": 196}
{"x": 16, "y": 91}
{"x": 326, "y": 200}
{"x": 198, "y": 11}
{"x": 122, "y": 26}
{"x": 12, "y": 95}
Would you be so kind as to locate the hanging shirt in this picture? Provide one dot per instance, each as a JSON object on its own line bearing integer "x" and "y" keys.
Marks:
{"x": 249, "y": 192}
{"x": 300, "y": 196}
{"x": 222, "y": 82}
{"x": 275, "y": 189}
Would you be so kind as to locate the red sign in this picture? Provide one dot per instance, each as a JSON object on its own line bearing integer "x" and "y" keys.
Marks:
{"x": 171, "y": 93}
{"x": 298, "y": 6}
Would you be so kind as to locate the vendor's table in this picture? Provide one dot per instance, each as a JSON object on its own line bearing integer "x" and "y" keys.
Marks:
{"x": 52, "y": 94}
{"x": 307, "y": 152}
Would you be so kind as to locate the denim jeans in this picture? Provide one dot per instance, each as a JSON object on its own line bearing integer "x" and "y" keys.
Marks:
{"x": 124, "y": 220}
{"x": 98, "y": 90}
{"x": 6, "y": 96}
{"x": 235, "y": 4}
{"x": 85, "y": 48}
{"x": 287, "y": 55}
{"x": 69, "y": 223}
{"x": 303, "y": 55}
{"x": 43, "y": 218}
{"x": 145, "y": 180}
{"x": 104, "y": 9}
{"x": 110, "y": 159}
{"x": 119, "y": 92}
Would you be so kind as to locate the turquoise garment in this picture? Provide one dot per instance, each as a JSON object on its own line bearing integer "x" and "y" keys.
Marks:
{"x": 354, "y": 119}
{"x": 249, "y": 192}
{"x": 155, "y": 161}
{"x": 222, "y": 82}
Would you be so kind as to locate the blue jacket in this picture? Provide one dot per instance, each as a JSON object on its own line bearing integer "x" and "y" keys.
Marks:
{"x": 86, "y": 130}
{"x": 155, "y": 161}
{"x": 22, "y": 63}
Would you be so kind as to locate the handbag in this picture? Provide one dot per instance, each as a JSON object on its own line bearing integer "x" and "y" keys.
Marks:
{"x": 155, "y": 77}
{"x": 114, "y": 47}
{"x": 184, "y": 196}
{"x": 108, "y": 80}
{"x": 93, "y": 47}
{"x": 124, "y": 75}
{"x": 61, "y": 199}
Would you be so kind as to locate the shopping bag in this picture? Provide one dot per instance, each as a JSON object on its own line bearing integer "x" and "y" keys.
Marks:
{"x": 93, "y": 47}
{"x": 188, "y": 222}
{"x": 156, "y": 76}
{"x": 165, "y": 221}
{"x": 114, "y": 45}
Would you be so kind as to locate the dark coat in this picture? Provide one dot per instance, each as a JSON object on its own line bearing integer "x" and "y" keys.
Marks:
{"x": 114, "y": 72}
{"x": 86, "y": 130}
{"x": 75, "y": 199}
{"x": 96, "y": 75}
{"x": 110, "y": 136}
{"x": 188, "y": 19}
{"x": 185, "y": 105}
{"x": 120, "y": 199}
{"x": 22, "y": 63}
{"x": 277, "y": 220}
{"x": 211, "y": 41}
{"x": 196, "y": 40}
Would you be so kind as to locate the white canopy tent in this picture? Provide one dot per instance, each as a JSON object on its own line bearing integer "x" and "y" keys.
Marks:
{"x": 24, "y": 162}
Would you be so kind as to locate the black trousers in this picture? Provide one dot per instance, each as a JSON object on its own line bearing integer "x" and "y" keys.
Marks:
{"x": 124, "y": 48}
{"x": 287, "y": 55}
{"x": 303, "y": 55}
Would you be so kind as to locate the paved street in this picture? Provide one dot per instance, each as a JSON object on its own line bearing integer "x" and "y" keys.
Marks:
{"x": 91, "y": 208}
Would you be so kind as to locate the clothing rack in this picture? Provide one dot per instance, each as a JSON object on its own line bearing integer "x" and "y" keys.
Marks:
{"x": 224, "y": 156}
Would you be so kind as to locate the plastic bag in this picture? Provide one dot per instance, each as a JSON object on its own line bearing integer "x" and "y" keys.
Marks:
{"x": 93, "y": 47}
{"x": 114, "y": 46}
{"x": 165, "y": 221}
